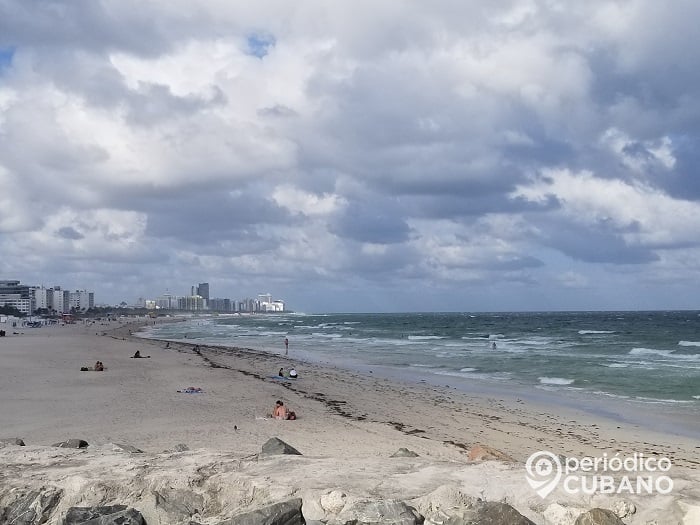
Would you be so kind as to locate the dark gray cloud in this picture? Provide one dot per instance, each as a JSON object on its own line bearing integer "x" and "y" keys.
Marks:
{"x": 498, "y": 151}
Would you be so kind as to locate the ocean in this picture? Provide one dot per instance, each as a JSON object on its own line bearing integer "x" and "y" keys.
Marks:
{"x": 649, "y": 358}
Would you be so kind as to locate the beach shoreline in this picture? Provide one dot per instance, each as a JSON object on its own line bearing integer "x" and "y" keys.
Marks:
{"x": 346, "y": 418}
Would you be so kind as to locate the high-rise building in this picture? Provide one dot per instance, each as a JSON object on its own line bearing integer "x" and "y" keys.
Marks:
{"x": 81, "y": 300}
{"x": 203, "y": 290}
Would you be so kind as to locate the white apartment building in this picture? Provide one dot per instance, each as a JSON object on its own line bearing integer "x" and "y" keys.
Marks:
{"x": 81, "y": 300}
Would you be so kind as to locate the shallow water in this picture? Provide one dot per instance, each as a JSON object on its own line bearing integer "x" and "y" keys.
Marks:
{"x": 647, "y": 357}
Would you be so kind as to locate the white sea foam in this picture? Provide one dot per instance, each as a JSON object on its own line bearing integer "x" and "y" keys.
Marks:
{"x": 424, "y": 337}
{"x": 587, "y": 332}
{"x": 467, "y": 369}
{"x": 617, "y": 365}
{"x": 664, "y": 353}
{"x": 555, "y": 381}
{"x": 649, "y": 351}
{"x": 328, "y": 336}
{"x": 688, "y": 343}
{"x": 696, "y": 397}
{"x": 497, "y": 376}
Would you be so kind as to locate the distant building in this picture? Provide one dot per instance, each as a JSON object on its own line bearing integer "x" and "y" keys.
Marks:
{"x": 80, "y": 300}
{"x": 193, "y": 303}
{"x": 60, "y": 300}
{"x": 222, "y": 305}
{"x": 16, "y": 295}
{"x": 203, "y": 290}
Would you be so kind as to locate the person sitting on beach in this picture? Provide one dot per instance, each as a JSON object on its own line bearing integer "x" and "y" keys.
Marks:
{"x": 137, "y": 355}
{"x": 293, "y": 374}
{"x": 281, "y": 372}
{"x": 280, "y": 411}
{"x": 99, "y": 367}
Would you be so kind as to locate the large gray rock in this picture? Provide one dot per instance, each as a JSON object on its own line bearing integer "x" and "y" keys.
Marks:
{"x": 31, "y": 508}
{"x": 598, "y": 517}
{"x": 179, "y": 504}
{"x": 381, "y": 512}
{"x": 71, "y": 443}
{"x": 274, "y": 446}
{"x": 120, "y": 447}
{"x": 12, "y": 441}
{"x": 107, "y": 515}
{"x": 403, "y": 452}
{"x": 487, "y": 513}
{"x": 282, "y": 513}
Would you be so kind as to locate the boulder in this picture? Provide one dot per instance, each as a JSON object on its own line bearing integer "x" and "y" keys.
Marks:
{"x": 282, "y": 513}
{"x": 623, "y": 508}
{"x": 71, "y": 443}
{"x": 404, "y": 453}
{"x": 275, "y": 446}
{"x": 181, "y": 447}
{"x": 380, "y": 512}
{"x": 485, "y": 453}
{"x": 118, "y": 447}
{"x": 487, "y": 513}
{"x": 333, "y": 502}
{"x": 598, "y": 517}
{"x": 106, "y": 515}
{"x": 179, "y": 504}
{"x": 437, "y": 505}
{"x": 31, "y": 507}
{"x": 557, "y": 514}
{"x": 11, "y": 441}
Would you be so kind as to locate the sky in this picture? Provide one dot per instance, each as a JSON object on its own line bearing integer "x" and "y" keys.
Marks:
{"x": 355, "y": 156}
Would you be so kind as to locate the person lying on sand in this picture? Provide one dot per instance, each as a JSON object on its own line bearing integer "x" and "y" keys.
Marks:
{"x": 137, "y": 355}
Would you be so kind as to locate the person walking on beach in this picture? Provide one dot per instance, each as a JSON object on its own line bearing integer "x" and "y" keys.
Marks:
{"x": 286, "y": 346}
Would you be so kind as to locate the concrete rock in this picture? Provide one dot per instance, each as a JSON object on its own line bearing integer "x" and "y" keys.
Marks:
{"x": 11, "y": 441}
{"x": 274, "y": 446}
{"x": 381, "y": 512}
{"x": 118, "y": 447}
{"x": 598, "y": 517}
{"x": 283, "y": 513}
{"x": 72, "y": 443}
{"x": 556, "y": 514}
{"x": 179, "y": 504}
{"x": 488, "y": 513}
{"x": 106, "y": 515}
{"x": 623, "y": 508}
{"x": 31, "y": 507}
{"x": 404, "y": 453}
{"x": 333, "y": 502}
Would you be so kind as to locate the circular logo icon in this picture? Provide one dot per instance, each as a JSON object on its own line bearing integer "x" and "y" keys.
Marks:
{"x": 543, "y": 472}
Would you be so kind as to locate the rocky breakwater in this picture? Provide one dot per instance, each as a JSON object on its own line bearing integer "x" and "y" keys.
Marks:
{"x": 73, "y": 483}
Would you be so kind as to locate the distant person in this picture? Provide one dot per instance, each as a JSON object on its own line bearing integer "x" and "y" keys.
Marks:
{"x": 99, "y": 367}
{"x": 493, "y": 345}
{"x": 281, "y": 372}
{"x": 137, "y": 355}
{"x": 286, "y": 346}
{"x": 280, "y": 411}
{"x": 293, "y": 373}
{"x": 167, "y": 345}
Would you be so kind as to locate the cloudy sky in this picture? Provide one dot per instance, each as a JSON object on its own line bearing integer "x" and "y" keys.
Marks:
{"x": 463, "y": 155}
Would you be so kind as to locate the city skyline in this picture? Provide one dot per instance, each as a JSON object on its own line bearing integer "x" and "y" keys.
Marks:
{"x": 478, "y": 156}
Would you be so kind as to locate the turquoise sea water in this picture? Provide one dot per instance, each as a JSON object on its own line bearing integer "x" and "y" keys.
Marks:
{"x": 648, "y": 357}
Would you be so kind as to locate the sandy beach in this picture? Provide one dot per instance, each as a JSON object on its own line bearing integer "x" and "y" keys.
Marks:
{"x": 349, "y": 425}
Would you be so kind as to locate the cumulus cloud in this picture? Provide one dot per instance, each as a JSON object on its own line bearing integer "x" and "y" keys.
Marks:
{"x": 521, "y": 149}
